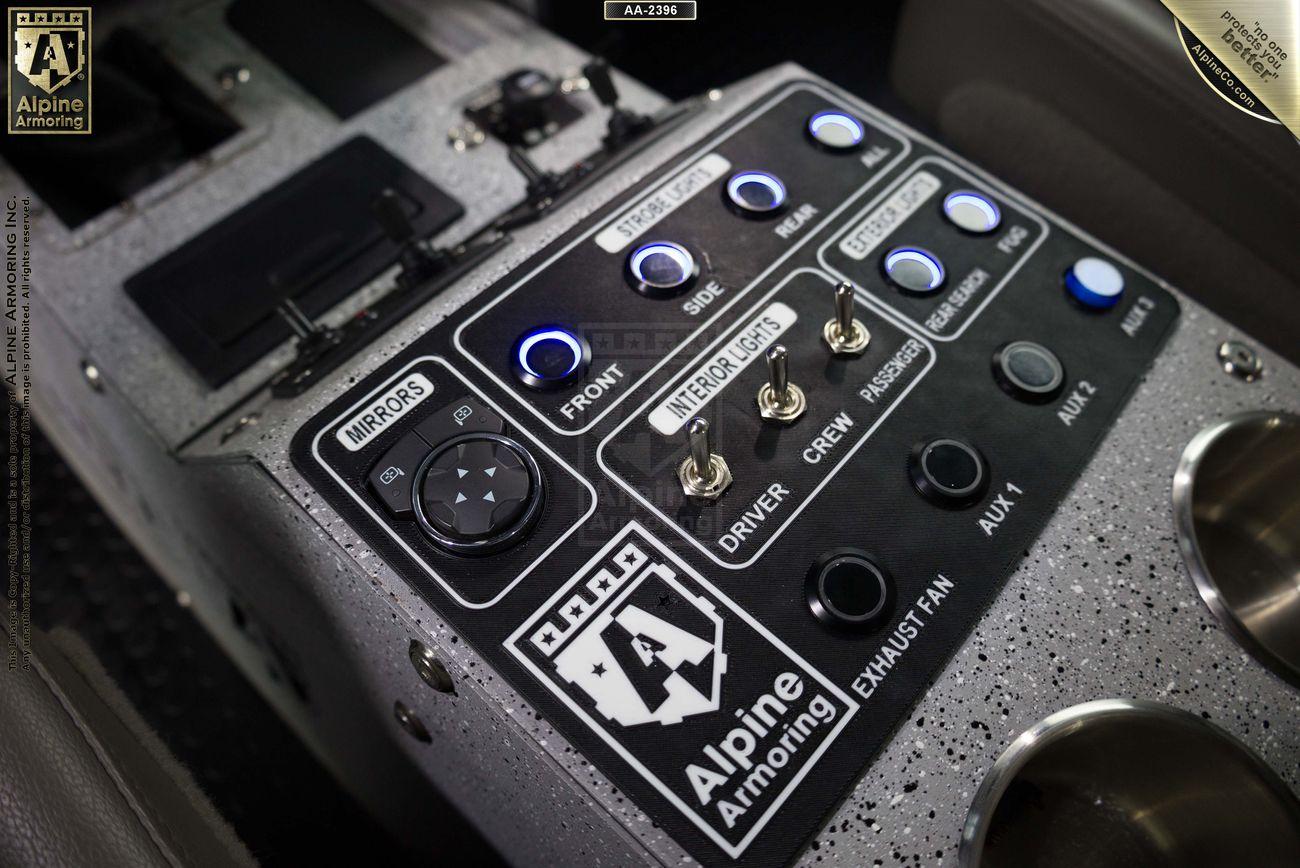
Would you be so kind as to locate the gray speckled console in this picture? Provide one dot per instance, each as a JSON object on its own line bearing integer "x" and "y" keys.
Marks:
{"x": 1101, "y": 605}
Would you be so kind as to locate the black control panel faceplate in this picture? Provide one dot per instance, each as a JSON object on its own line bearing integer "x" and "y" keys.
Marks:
{"x": 733, "y": 665}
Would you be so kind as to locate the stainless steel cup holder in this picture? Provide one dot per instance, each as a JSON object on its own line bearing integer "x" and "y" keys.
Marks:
{"x": 1237, "y": 512}
{"x": 1122, "y": 782}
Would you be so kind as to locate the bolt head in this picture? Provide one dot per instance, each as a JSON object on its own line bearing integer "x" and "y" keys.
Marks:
{"x": 711, "y": 489}
{"x": 774, "y": 411}
{"x": 854, "y": 344}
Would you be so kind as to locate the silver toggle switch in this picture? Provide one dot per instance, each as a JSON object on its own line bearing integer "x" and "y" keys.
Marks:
{"x": 703, "y": 473}
{"x": 845, "y": 335}
{"x": 780, "y": 400}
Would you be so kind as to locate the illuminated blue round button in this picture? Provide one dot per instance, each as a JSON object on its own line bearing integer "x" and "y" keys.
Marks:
{"x": 914, "y": 269}
{"x": 550, "y": 357}
{"x": 661, "y": 269}
{"x": 836, "y": 130}
{"x": 755, "y": 193}
{"x": 971, "y": 212}
{"x": 1095, "y": 283}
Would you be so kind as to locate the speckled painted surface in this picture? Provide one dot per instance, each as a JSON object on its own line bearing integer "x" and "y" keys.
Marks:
{"x": 1100, "y": 607}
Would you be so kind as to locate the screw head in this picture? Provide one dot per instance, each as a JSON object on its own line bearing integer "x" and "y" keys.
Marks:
{"x": 430, "y": 669}
{"x": 409, "y": 721}
{"x": 1240, "y": 360}
{"x": 90, "y": 371}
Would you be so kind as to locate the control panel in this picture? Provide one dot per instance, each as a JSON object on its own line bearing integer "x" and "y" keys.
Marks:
{"x": 718, "y": 479}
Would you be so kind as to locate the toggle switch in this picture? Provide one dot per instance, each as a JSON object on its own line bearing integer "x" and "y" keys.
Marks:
{"x": 845, "y": 335}
{"x": 703, "y": 473}
{"x": 780, "y": 400}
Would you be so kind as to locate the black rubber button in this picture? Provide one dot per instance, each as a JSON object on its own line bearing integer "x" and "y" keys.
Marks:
{"x": 462, "y": 416}
{"x": 1028, "y": 371}
{"x": 393, "y": 476}
{"x": 948, "y": 472}
{"x": 478, "y": 493}
{"x": 847, "y": 588}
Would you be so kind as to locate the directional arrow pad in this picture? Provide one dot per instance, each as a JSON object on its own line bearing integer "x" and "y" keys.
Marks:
{"x": 476, "y": 489}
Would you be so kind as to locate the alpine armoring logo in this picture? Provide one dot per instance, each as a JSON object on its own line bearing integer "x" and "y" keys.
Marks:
{"x": 699, "y": 700}
{"x": 653, "y": 655}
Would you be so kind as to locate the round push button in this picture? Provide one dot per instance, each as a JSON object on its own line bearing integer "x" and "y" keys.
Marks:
{"x": 1028, "y": 371}
{"x": 971, "y": 212}
{"x": 478, "y": 493}
{"x": 836, "y": 130}
{"x": 755, "y": 194}
{"x": 1095, "y": 283}
{"x": 550, "y": 357}
{"x": 847, "y": 588}
{"x": 948, "y": 472}
{"x": 661, "y": 269}
{"x": 913, "y": 269}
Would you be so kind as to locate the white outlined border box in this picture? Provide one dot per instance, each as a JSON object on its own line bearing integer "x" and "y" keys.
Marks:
{"x": 880, "y": 122}
{"x": 387, "y": 528}
{"x": 650, "y": 542}
{"x": 903, "y": 178}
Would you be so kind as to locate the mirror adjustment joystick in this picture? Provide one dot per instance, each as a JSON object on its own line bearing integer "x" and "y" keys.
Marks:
{"x": 703, "y": 473}
{"x": 845, "y": 335}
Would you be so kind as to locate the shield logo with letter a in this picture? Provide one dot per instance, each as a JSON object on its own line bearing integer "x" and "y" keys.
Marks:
{"x": 50, "y": 47}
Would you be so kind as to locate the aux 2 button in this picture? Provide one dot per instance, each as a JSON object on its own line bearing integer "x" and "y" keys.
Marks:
{"x": 549, "y": 358}
{"x": 846, "y": 588}
{"x": 478, "y": 493}
{"x": 1028, "y": 371}
{"x": 948, "y": 472}
{"x": 662, "y": 269}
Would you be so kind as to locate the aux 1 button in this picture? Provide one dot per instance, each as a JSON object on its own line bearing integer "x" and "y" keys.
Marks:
{"x": 948, "y": 472}
{"x": 661, "y": 269}
{"x": 755, "y": 194}
{"x": 914, "y": 270}
{"x": 549, "y": 358}
{"x": 836, "y": 130}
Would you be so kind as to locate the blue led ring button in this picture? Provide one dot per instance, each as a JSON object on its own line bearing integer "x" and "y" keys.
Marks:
{"x": 549, "y": 358}
{"x": 971, "y": 212}
{"x": 836, "y": 130}
{"x": 661, "y": 269}
{"x": 1094, "y": 283}
{"x": 755, "y": 194}
{"x": 914, "y": 269}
